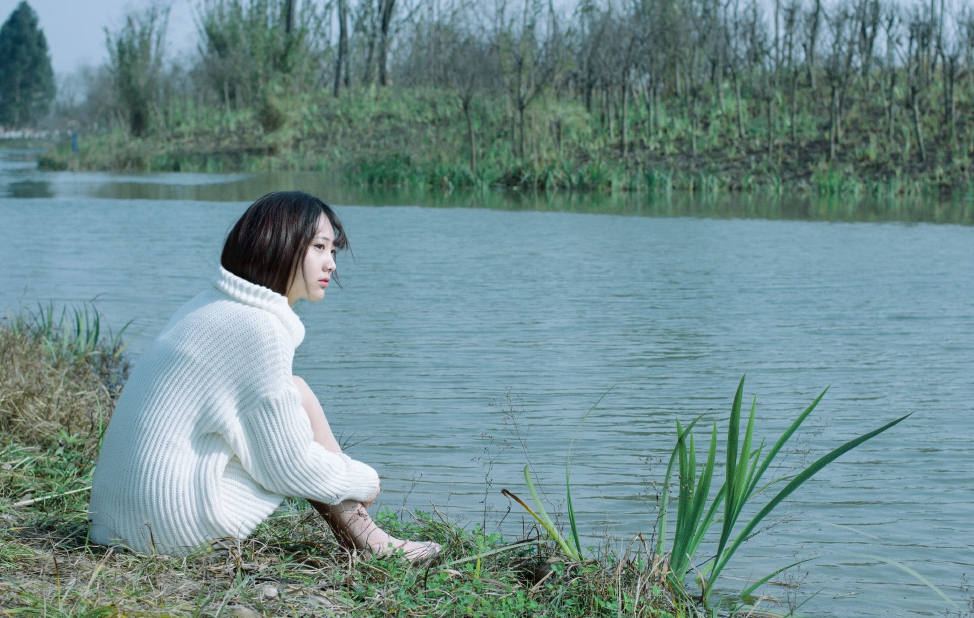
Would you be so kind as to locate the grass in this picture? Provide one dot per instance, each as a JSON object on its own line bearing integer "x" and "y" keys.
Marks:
{"x": 61, "y": 377}
{"x": 56, "y": 395}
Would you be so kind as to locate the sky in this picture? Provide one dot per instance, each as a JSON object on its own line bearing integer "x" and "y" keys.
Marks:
{"x": 75, "y": 29}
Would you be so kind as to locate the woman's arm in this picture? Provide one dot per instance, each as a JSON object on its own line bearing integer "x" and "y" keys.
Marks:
{"x": 269, "y": 430}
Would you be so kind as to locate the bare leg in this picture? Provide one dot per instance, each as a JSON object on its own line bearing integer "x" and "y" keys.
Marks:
{"x": 349, "y": 520}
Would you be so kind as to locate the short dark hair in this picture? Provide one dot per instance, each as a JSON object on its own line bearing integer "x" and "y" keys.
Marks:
{"x": 268, "y": 242}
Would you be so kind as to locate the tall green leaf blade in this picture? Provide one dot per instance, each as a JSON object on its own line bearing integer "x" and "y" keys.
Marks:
{"x": 784, "y": 439}
{"x": 732, "y": 493}
{"x": 794, "y": 484}
{"x": 542, "y": 516}
{"x": 665, "y": 491}
{"x": 568, "y": 485}
{"x": 571, "y": 515}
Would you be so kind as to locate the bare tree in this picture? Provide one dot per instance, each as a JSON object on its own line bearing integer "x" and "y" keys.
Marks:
{"x": 838, "y": 69}
{"x": 529, "y": 59}
{"x": 813, "y": 26}
{"x": 341, "y": 60}
{"x": 385, "y": 20}
{"x": 919, "y": 66}
{"x": 472, "y": 68}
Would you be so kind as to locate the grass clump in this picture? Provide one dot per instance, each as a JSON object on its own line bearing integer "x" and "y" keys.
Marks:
{"x": 60, "y": 379}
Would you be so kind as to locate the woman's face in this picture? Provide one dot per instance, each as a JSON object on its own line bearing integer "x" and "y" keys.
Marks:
{"x": 315, "y": 270}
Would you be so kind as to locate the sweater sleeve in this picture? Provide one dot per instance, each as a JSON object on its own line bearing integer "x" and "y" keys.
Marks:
{"x": 274, "y": 438}
{"x": 284, "y": 458}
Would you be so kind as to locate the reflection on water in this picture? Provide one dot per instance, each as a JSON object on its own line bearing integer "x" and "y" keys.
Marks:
{"x": 446, "y": 310}
{"x": 20, "y": 178}
{"x": 30, "y": 188}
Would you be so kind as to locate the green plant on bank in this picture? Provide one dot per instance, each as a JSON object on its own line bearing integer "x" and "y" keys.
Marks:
{"x": 696, "y": 511}
{"x": 73, "y": 335}
{"x": 744, "y": 470}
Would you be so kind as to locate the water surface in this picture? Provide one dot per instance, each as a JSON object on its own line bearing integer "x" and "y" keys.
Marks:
{"x": 468, "y": 341}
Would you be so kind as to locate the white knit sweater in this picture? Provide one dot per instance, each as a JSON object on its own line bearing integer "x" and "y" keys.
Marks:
{"x": 209, "y": 435}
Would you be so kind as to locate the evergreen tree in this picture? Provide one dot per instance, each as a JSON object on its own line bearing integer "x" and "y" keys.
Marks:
{"x": 26, "y": 77}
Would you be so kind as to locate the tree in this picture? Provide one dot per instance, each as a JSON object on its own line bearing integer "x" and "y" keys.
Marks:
{"x": 26, "y": 77}
{"x": 385, "y": 19}
{"x": 341, "y": 62}
{"x": 135, "y": 54}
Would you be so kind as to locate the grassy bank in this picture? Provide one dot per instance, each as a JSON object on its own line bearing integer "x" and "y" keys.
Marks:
{"x": 59, "y": 383}
{"x": 60, "y": 379}
{"x": 418, "y": 137}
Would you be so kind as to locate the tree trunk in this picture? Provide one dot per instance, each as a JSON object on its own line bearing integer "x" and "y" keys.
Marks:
{"x": 610, "y": 113}
{"x": 833, "y": 128}
{"x": 777, "y": 42}
{"x": 890, "y": 108}
{"x": 648, "y": 96}
{"x": 916, "y": 123}
{"x": 288, "y": 16}
{"x": 794, "y": 107}
{"x": 770, "y": 127}
{"x": 951, "y": 123}
{"x": 676, "y": 75}
{"x": 655, "y": 108}
{"x": 470, "y": 134}
{"x": 341, "y": 62}
{"x": 625, "y": 118}
{"x": 812, "y": 40}
{"x": 385, "y": 19}
{"x": 740, "y": 109}
{"x": 520, "y": 111}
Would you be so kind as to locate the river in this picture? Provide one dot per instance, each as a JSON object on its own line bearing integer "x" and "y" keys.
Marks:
{"x": 468, "y": 341}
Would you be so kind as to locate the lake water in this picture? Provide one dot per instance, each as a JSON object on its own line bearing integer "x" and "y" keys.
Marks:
{"x": 461, "y": 333}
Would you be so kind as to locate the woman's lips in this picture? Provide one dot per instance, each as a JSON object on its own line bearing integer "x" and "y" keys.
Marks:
{"x": 324, "y": 282}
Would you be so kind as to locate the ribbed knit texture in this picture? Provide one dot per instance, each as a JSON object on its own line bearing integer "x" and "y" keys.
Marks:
{"x": 209, "y": 435}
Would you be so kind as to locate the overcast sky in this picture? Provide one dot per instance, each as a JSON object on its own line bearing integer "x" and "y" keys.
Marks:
{"x": 75, "y": 29}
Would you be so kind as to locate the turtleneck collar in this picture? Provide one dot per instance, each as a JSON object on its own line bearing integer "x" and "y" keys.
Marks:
{"x": 244, "y": 291}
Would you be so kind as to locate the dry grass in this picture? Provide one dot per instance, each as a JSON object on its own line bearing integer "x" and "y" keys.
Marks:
{"x": 42, "y": 396}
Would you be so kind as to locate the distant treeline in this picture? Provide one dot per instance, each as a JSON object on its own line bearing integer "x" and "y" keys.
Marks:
{"x": 637, "y": 94}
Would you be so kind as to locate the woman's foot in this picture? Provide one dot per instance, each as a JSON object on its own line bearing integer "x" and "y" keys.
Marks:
{"x": 355, "y": 529}
{"x": 413, "y": 551}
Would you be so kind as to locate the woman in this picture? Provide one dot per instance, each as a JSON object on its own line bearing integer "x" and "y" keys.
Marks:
{"x": 212, "y": 430}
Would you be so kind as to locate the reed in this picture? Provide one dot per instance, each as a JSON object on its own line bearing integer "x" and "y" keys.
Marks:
{"x": 743, "y": 473}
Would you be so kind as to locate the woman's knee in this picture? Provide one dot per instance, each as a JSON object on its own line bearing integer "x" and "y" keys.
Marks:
{"x": 319, "y": 424}
{"x": 308, "y": 400}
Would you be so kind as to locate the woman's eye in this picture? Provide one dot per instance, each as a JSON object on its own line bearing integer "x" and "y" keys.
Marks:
{"x": 319, "y": 246}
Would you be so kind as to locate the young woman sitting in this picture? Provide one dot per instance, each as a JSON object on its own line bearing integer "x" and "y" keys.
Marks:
{"x": 213, "y": 431}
